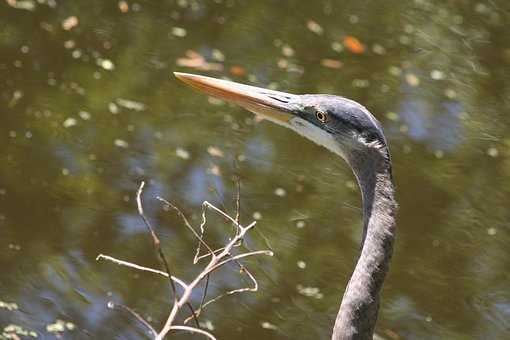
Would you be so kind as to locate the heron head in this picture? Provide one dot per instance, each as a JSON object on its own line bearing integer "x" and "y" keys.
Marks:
{"x": 341, "y": 125}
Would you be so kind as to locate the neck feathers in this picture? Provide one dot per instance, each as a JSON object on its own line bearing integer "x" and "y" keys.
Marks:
{"x": 358, "y": 312}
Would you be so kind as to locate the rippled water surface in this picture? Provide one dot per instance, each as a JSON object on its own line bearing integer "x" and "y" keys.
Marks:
{"x": 89, "y": 108}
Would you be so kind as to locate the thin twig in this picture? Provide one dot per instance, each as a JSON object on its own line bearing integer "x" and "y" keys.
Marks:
{"x": 186, "y": 222}
{"x": 137, "y": 316}
{"x": 155, "y": 239}
{"x": 193, "y": 330}
{"x": 138, "y": 267}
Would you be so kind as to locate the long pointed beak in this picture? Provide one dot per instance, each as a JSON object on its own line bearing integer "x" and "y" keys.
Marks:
{"x": 272, "y": 105}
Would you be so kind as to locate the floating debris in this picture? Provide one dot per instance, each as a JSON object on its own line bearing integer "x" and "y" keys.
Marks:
{"x": 491, "y": 231}
{"x": 257, "y": 215}
{"x": 310, "y": 291}
{"x": 179, "y": 32}
{"x": 353, "y": 45}
{"x": 300, "y": 224}
{"x": 131, "y": 104}
{"x": 27, "y": 5}
{"x": 14, "y": 331}
{"x": 493, "y": 152}
{"x": 237, "y": 70}
{"x": 268, "y": 325}
{"x": 8, "y": 305}
{"x": 113, "y": 108}
{"x": 437, "y": 75}
{"x": 412, "y": 79}
{"x": 314, "y": 27}
{"x": 69, "y": 122}
{"x": 70, "y": 23}
{"x": 207, "y": 324}
{"x": 301, "y": 264}
{"x": 123, "y": 6}
{"x": 181, "y": 153}
{"x": 395, "y": 71}
{"x": 215, "y": 170}
{"x": 337, "y": 47}
{"x": 331, "y": 63}
{"x": 60, "y": 326}
{"x": 106, "y": 64}
{"x": 84, "y": 115}
{"x": 218, "y": 55}
{"x": 378, "y": 49}
{"x": 65, "y": 172}
{"x": 287, "y": 51}
{"x": 280, "y": 192}
{"x": 215, "y": 151}
{"x": 392, "y": 116}
{"x": 121, "y": 143}
{"x": 197, "y": 61}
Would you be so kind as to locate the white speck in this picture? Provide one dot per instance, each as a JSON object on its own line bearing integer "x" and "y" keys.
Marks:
{"x": 68, "y": 44}
{"x": 70, "y": 23}
{"x": 218, "y": 55}
{"x": 450, "y": 93}
{"x": 492, "y": 231}
{"x": 395, "y": 71}
{"x": 280, "y": 192}
{"x": 179, "y": 32}
{"x": 337, "y": 47}
{"x": 268, "y": 325}
{"x": 113, "y": 108}
{"x": 121, "y": 143}
{"x": 493, "y": 152}
{"x": 412, "y": 79}
{"x": 76, "y": 54}
{"x": 437, "y": 75}
{"x": 84, "y": 115}
{"x": 69, "y": 122}
{"x": 28, "y": 134}
{"x": 215, "y": 151}
{"x": 181, "y": 153}
{"x": 25, "y": 49}
{"x": 241, "y": 158}
{"x": 257, "y": 215}
{"x": 105, "y": 64}
{"x": 207, "y": 324}
{"x": 65, "y": 171}
{"x": 428, "y": 319}
{"x": 12, "y": 134}
{"x": 439, "y": 154}
{"x": 301, "y": 264}
{"x": 131, "y": 104}
{"x": 314, "y": 27}
{"x": 110, "y": 305}
{"x": 378, "y": 49}
{"x": 310, "y": 291}
{"x": 300, "y": 224}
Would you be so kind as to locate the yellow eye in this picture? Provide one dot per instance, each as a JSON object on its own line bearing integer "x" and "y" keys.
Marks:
{"x": 321, "y": 116}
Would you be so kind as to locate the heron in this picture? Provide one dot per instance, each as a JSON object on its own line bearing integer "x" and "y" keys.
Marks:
{"x": 349, "y": 130}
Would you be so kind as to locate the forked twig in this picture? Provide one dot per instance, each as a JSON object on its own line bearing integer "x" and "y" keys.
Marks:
{"x": 217, "y": 258}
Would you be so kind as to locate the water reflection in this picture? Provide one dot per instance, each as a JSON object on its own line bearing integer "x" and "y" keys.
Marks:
{"x": 89, "y": 109}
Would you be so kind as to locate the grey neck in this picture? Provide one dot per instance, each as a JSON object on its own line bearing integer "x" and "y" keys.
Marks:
{"x": 357, "y": 316}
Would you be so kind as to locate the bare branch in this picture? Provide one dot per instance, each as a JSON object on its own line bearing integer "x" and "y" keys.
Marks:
{"x": 138, "y": 267}
{"x": 193, "y": 330}
{"x": 155, "y": 239}
{"x": 137, "y": 316}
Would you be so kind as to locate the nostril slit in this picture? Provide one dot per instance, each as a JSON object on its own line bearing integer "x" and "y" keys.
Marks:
{"x": 278, "y": 99}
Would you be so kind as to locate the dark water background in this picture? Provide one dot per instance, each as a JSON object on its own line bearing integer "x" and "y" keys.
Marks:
{"x": 89, "y": 108}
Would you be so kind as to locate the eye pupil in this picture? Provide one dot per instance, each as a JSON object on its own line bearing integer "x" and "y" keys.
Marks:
{"x": 321, "y": 116}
